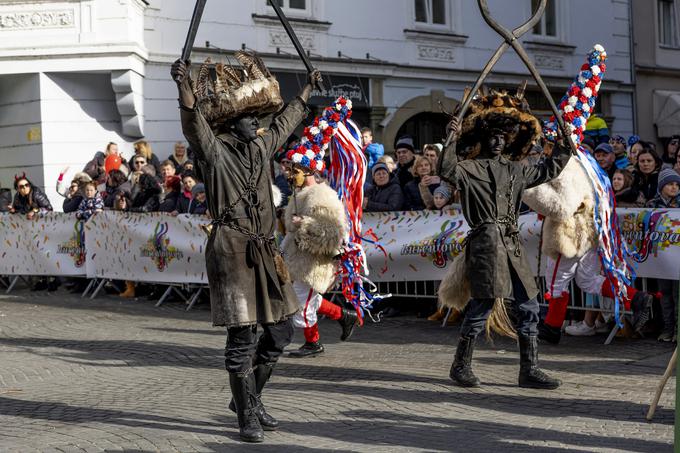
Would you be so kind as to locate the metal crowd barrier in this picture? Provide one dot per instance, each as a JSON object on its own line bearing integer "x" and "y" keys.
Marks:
{"x": 428, "y": 290}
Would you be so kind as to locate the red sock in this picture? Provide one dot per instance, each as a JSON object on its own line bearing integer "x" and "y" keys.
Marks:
{"x": 557, "y": 310}
{"x": 312, "y": 334}
{"x": 329, "y": 309}
{"x": 608, "y": 292}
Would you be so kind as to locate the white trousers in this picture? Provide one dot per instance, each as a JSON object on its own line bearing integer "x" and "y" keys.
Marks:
{"x": 309, "y": 301}
{"x": 560, "y": 272}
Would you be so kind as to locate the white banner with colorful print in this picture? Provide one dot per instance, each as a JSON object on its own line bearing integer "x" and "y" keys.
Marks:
{"x": 418, "y": 245}
{"x": 153, "y": 247}
{"x": 654, "y": 236}
{"x": 49, "y": 244}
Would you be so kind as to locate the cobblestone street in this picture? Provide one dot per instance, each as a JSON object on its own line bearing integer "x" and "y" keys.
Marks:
{"x": 112, "y": 375}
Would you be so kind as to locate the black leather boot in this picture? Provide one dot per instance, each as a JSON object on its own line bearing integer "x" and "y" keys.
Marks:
{"x": 549, "y": 333}
{"x": 262, "y": 374}
{"x": 348, "y": 322}
{"x": 243, "y": 390}
{"x": 461, "y": 370}
{"x": 530, "y": 375}
{"x": 309, "y": 349}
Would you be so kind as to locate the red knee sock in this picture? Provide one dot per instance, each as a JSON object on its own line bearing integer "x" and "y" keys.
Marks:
{"x": 329, "y": 309}
{"x": 557, "y": 310}
{"x": 608, "y": 292}
{"x": 312, "y": 334}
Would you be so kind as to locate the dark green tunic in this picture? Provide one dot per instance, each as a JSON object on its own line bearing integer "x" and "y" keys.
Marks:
{"x": 491, "y": 195}
{"x": 244, "y": 286}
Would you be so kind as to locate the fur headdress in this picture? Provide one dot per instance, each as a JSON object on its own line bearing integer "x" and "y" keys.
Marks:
{"x": 500, "y": 110}
{"x": 224, "y": 93}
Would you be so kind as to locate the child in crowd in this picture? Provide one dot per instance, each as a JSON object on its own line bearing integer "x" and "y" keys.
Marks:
{"x": 92, "y": 202}
{"x": 198, "y": 205}
{"x": 443, "y": 198}
{"x": 667, "y": 191}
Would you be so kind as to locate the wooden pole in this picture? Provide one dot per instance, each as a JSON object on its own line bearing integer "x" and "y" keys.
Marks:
{"x": 659, "y": 389}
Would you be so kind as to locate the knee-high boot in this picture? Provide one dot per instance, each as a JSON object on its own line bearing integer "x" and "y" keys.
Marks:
{"x": 530, "y": 375}
{"x": 461, "y": 369}
{"x": 262, "y": 374}
{"x": 243, "y": 389}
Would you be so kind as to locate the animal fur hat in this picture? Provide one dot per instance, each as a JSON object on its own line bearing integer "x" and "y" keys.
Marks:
{"x": 499, "y": 110}
{"x": 224, "y": 93}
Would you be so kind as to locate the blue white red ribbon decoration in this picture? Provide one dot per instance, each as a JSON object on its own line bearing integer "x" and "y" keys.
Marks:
{"x": 334, "y": 131}
{"x": 316, "y": 138}
{"x": 575, "y": 108}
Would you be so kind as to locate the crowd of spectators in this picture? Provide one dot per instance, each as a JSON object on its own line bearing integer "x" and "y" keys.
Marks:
{"x": 108, "y": 181}
{"x": 641, "y": 176}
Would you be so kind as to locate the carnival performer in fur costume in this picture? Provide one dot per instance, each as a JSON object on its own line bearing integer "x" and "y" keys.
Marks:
{"x": 580, "y": 232}
{"x": 248, "y": 281}
{"x": 316, "y": 229}
{"x": 494, "y": 266}
{"x": 320, "y": 220}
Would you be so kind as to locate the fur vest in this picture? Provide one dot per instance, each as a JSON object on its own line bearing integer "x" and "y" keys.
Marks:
{"x": 310, "y": 249}
{"x": 567, "y": 202}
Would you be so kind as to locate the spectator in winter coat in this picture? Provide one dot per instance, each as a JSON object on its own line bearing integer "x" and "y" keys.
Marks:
{"x": 626, "y": 195}
{"x": 668, "y": 190}
{"x": 281, "y": 182}
{"x": 634, "y": 148}
{"x": 167, "y": 169}
{"x": 142, "y": 148}
{"x": 198, "y": 205}
{"x": 391, "y": 164}
{"x": 121, "y": 201}
{"x": 29, "y": 199}
{"x": 115, "y": 182}
{"x": 671, "y": 149}
{"x": 373, "y": 151}
{"x": 432, "y": 153}
{"x": 618, "y": 144}
{"x": 604, "y": 155}
{"x": 5, "y": 200}
{"x": 188, "y": 182}
{"x": 96, "y": 167}
{"x": 92, "y": 202}
{"x": 146, "y": 194}
{"x": 646, "y": 175}
{"x": 443, "y": 198}
{"x": 405, "y": 152}
{"x": 73, "y": 195}
{"x": 385, "y": 194}
{"x": 188, "y": 167}
{"x": 172, "y": 189}
{"x": 418, "y": 192}
{"x": 179, "y": 156}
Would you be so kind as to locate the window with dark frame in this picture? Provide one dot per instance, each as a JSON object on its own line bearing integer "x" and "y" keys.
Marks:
{"x": 291, "y": 4}
{"x": 431, "y": 12}
{"x": 548, "y": 23}
{"x": 666, "y": 23}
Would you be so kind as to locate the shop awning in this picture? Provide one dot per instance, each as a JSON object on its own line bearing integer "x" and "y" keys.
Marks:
{"x": 667, "y": 112}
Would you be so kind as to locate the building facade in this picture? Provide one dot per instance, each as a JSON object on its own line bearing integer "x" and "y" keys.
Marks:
{"x": 657, "y": 68}
{"x": 76, "y": 74}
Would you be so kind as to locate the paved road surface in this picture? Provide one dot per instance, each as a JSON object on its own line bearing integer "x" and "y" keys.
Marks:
{"x": 110, "y": 375}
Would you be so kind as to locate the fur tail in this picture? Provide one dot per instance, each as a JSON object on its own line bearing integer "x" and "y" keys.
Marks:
{"x": 499, "y": 322}
{"x": 454, "y": 292}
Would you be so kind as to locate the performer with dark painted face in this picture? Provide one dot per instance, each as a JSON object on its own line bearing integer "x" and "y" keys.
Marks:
{"x": 249, "y": 284}
{"x": 500, "y": 130}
